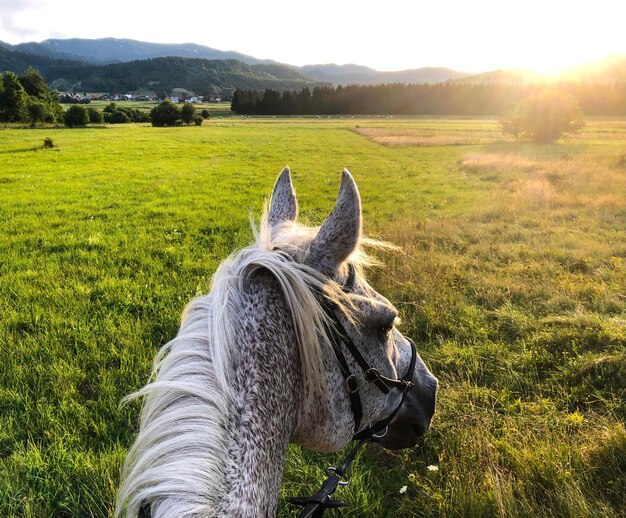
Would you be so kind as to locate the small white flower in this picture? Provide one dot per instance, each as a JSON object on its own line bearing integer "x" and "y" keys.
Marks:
{"x": 432, "y": 467}
{"x": 403, "y": 489}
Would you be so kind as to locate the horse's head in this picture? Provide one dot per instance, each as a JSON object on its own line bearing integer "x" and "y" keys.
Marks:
{"x": 373, "y": 375}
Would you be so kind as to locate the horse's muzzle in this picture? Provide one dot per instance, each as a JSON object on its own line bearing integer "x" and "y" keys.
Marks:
{"x": 413, "y": 419}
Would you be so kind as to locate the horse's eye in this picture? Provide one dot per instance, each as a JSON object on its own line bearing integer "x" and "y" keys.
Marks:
{"x": 383, "y": 332}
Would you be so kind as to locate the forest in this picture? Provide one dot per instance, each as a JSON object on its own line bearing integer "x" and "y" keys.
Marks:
{"x": 450, "y": 98}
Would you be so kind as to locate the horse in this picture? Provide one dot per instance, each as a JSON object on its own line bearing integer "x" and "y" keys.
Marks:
{"x": 291, "y": 344}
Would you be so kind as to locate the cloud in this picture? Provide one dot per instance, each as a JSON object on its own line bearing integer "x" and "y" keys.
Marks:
{"x": 9, "y": 14}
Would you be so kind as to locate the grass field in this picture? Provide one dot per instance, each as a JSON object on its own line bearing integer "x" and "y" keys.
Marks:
{"x": 512, "y": 281}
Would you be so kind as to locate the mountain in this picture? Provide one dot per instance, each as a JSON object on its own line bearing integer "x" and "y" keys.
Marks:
{"x": 505, "y": 76}
{"x": 610, "y": 69}
{"x": 74, "y": 63}
{"x": 607, "y": 70}
{"x": 357, "y": 74}
{"x": 339, "y": 74}
{"x": 17, "y": 62}
{"x": 203, "y": 76}
{"x": 114, "y": 50}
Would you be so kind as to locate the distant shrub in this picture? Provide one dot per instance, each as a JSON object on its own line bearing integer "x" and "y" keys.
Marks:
{"x": 95, "y": 116}
{"x": 76, "y": 115}
{"x": 123, "y": 114}
{"x": 119, "y": 117}
{"x": 187, "y": 113}
{"x": 48, "y": 143}
{"x": 197, "y": 120}
{"x": 110, "y": 108}
{"x": 205, "y": 114}
{"x": 544, "y": 118}
{"x": 135, "y": 114}
{"x": 37, "y": 111}
{"x": 166, "y": 114}
{"x": 140, "y": 115}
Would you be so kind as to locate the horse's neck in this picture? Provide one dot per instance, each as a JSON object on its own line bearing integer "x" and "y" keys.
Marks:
{"x": 264, "y": 413}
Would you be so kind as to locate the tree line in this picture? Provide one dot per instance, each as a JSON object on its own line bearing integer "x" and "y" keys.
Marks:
{"x": 164, "y": 114}
{"x": 27, "y": 98}
{"x": 451, "y": 98}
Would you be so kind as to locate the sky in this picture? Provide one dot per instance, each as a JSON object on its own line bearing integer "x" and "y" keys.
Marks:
{"x": 466, "y": 35}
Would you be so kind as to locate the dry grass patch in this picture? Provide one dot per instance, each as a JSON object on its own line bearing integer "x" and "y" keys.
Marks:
{"x": 397, "y": 137}
{"x": 579, "y": 181}
{"x": 537, "y": 192}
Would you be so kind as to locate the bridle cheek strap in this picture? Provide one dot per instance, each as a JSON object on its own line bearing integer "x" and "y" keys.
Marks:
{"x": 339, "y": 337}
{"x": 313, "y": 506}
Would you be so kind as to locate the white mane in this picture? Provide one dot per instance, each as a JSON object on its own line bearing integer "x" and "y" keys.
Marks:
{"x": 176, "y": 462}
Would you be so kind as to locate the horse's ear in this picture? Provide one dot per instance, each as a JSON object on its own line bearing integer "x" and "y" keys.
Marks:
{"x": 283, "y": 206}
{"x": 339, "y": 234}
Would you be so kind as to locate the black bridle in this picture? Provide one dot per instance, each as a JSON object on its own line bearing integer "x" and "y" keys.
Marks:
{"x": 314, "y": 506}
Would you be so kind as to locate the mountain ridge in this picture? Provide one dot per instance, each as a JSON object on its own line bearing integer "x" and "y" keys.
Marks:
{"x": 609, "y": 69}
{"x": 121, "y": 50}
{"x": 205, "y": 77}
{"x": 107, "y": 51}
{"x": 65, "y": 59}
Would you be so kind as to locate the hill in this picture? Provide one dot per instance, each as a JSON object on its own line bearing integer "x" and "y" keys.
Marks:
{"x": 357, "y": 74}
{"x": 115, "y": 50}
{"x": 49, "y": 67}
{"x": 77, "y": 64}
{"x": 607, "y": 70}
{"x": 203, "y": 76}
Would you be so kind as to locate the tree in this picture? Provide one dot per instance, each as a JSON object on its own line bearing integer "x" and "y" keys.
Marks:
{"x": 27, "y": 98}
{"x": 37, "y": 110}
{"x": 205, "y": 114}
{"x": 76, "y": 115}
{"x": 95, "y": 116}
{"x": 42, "y": 104}
{"x": 33, "y": 83}
{"x": 187, "y": 113}
{"x": 119, "y": 117}
{"x": 544, "y": 117}
{"x": 237, "y": 103}
{"x": 165, "y": 114}
{"x": 13, "y": 99}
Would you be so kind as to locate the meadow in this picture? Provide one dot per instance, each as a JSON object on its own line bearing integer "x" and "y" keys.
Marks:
{"x": 511, "y": 279}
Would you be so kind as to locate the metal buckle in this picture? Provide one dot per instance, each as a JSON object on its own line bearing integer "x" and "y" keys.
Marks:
{"x": 352, "y": 384}
{"x": 380, "y": 436}
{"x": 372, "y": 374}
{"x": 333, "y": 470}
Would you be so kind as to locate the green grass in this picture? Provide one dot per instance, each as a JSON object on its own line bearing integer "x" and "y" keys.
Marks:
{"x": 512, "y": 280}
